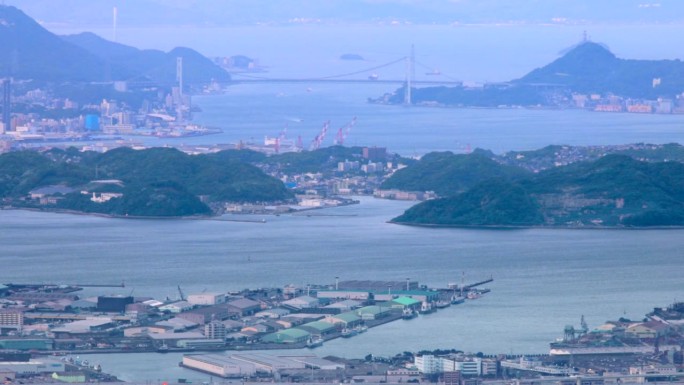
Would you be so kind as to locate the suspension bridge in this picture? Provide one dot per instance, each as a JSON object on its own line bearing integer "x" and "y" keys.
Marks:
{"x": 365, "y": 75}
{"x": 410, "y": 62}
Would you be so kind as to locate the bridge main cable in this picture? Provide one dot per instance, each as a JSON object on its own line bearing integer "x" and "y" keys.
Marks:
{"x": 331, "y": 76}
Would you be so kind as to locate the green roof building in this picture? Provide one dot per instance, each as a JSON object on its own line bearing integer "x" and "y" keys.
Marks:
{"x": 404, "y": 303}
{"x": 373, "y": 312}
{"x": 26, "y": 344}
{"x": 318, "y": 327}
{"x": 287, "y": 336}
{"x": 345, "y": 320}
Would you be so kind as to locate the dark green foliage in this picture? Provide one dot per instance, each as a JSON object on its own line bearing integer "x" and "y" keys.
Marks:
{"x": 211, "y": 175}
{"x": 615, "y": 190}
{"x": 592, "y": 68}
{"x": 246, "y": 156}
{"x": 491, "y": 203}
{"x": 157, "y": 182}
{"x": 320, "y": 160}
{"x": 447, "y": 174}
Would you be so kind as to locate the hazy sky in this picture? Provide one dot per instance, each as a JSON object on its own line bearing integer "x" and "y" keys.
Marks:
{"x": 231, "y": 12}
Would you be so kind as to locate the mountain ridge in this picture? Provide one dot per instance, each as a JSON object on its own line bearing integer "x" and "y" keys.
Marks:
{"x": 32, "y": 52}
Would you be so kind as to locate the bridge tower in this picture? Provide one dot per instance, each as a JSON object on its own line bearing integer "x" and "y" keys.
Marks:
{"x": 410, "y": 74}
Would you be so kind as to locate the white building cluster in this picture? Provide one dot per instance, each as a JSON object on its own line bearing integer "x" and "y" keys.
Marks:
{"x": 467, "y": 365}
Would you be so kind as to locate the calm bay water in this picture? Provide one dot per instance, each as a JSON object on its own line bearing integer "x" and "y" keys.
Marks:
{"x": 544, "y": 279}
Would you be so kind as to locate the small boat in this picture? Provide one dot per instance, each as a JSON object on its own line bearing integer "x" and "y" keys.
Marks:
{"x": 442, "y": 304}
{"x": 361, "y": 329}
{"x": 346, "y": 333}
{"x": 456, "y": 300}
{"x": 409, "y": 314}
{"x": 426, "y": 308}
{"x": 314, "y": 342}
{"x": 373, "y": 76}
{"x": 474, "y": 295}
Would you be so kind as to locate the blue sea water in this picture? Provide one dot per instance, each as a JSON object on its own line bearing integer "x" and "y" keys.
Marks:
{"x": 544, "y": 279}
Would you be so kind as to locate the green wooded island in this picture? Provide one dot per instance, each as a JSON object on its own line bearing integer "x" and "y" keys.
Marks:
{"x": 159, "y": 182}
{"x": 615, "y": 190}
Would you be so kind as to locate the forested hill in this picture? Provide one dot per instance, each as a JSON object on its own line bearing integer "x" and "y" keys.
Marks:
{"x": 447, "y": 174}
{"x": 614, "y": 191}
{"x": 591, "y": 68}
{"x": 154, "y": 182}
{"x": 587, "y": 68}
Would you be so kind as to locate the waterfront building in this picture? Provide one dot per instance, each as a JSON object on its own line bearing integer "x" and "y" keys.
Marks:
{"x": 27, "y": 344}
{"x": 374, "y": 312}
{"x": 174, "y": 339}
{"x": 206, "y": 298}
{"x": 219, "y": 365}
{"x": 140, "y": 331}
{"x": 404, "y": 303}
{"x": 287, "y": 336}
{"x": 344, "y": 320}
{"x": 359, "y": 295}
{"x": 33, "y": 367}
{"x": 647, "y": 330}
{"x": 320, "y": 328}
{"x": 418, "y": 295}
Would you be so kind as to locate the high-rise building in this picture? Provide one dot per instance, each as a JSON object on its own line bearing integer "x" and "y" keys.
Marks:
{"x": 215, "y": 330}
{"x": 11, "y": 319}
{"x": 6, "y": 94}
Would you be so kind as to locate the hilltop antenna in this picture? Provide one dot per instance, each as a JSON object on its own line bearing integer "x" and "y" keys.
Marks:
{"x": 585, "y": 36}
{"x": 114, "y": 17}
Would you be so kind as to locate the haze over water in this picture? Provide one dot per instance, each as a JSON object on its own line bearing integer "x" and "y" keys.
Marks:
{"x": 544, "y": 279}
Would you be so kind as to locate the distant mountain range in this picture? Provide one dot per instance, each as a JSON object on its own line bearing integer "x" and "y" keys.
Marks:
{"x": 29, "y": 51}
{"x": 231, "y": 12}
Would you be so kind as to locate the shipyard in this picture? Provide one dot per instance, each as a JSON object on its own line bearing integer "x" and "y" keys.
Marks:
{"x": 46, "y": 318}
